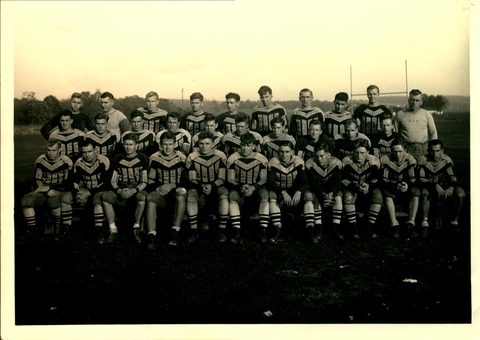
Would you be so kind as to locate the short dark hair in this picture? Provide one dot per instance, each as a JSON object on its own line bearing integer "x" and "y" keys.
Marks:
{"x": 136, "y": 113}
{"x": 66, "y": 112}
{"x": 398, "y": 141}
{"x": 174, "y": 114}
{"x": 435, "y": 142}
{"x": 242, "y": 117}
{"x": 102, "y": 115}
{"x": 285, "y": 143}
{"x": 341, "y": 96}
{"x": 232, "y": 95}
{"x": 357, "y": 143}
{"x": 107, "y": 95}
{"x": 316, "y": 122}
{"x": 323, "y": 147}
{"x": 277, "y": 120}
{"x": 264, "y": 89}
{"x": 385, "y": 116}
{"x": 86, "y": 143}
{"x": 167, "y": 135}
{"x": 53, "y": 141}
{"x": 247, "y": 138}
{"x": 205, "y": 135}
{"x": 196, "y": 95}
{"x": 415, "y": 92}
{"x": 131, "y": 136}
{"x": 77, "y": 95}
{"x": 209, "y": 117}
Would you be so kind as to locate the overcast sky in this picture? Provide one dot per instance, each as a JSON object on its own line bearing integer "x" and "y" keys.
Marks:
{"x": 215, "y": 47}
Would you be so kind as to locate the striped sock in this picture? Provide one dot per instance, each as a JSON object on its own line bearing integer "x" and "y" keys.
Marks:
{"x": 263, "y": 220}
{"x": 309, "y": 219}
{"x": 67, "y": 214}
{"x": 318, "y": 216}
{"x": 235, "y": 221}
{"x": 193, "y": 221}
{"x": 276, "y": 218}
{"x": 222, "y": 221}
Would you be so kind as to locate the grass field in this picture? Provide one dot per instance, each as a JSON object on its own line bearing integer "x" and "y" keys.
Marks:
{"x": 79, "y": 282}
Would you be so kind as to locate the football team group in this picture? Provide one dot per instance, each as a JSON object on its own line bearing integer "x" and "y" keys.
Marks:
{"x": 326, "y": 169}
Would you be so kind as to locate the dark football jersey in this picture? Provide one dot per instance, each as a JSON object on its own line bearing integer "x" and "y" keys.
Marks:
{"x": 167, "y": 169}
{"x": 53, "y": 173}
{"x": 95, "y": 176}
{"x": 301, "y": 119}
{"x": 129, "y": 172}
{"x": 250, "y": 170}
{"x": 324, "y": 179}
{"x": 261, "y": 117}
{"x": 369, "y": 118}
{"x": 154, "y": 121}
{"x": 70, "y": 142}
{"x": 104, "y": 145}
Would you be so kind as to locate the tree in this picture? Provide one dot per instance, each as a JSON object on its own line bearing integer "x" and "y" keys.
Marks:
{"x": 29, "y": 95}
{"x": 437, "y": 103}
{"x": 53, "y": 103}
{"x": 35, "y": 112}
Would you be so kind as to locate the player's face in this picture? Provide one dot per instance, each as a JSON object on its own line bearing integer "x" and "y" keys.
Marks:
{"x": 130, "y": 147}
{"x": 435, "y": 152}
{"x": 101, "y": 126}
{"x": 205, "y": 146}
{"x": 76, "y": 104}
{"x": 351, "y": 131}
{"x": 386, "y": 126}
{"x": 277, "y": 129}
{"x": 398, "y": 153}
{"x": 322, "y": 158}
{"x": 167, "y": 146}
{"x": 53, "y": 152}
{"x": 241, "y": 128}
{"x": 65, "y": 122}
{"x": 137, "y": 124}
{"x": 196, "y": 105}
{"x": 315, "y": 131}
{"x": 88, "y": 153}
{"x": 372, "y": 96}
{"x": 172, "y": 124}
{"x": 246, "y": 149}
{"x": 285, "y": 154}
{"x": 232, "y": 105}
{"x": 106, "y": 104}
{"x": 305, "y": 98}
{"x": 151, "y": 103}
{"x": 211, "y": 126}
{"x": 414, "y": 102}
{"x": 360, "y": 154}
{"x": 266, "y": 99}
{"x": 340, "y": 105}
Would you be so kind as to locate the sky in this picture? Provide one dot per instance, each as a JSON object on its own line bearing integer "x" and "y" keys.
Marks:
{"x": 216, "y": 47}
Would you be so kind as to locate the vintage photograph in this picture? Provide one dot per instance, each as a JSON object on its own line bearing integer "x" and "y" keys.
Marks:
{"x": 249, "y": 169}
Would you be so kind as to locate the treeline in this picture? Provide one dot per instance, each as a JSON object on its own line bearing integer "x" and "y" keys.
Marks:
{"x": 30, "y": 110}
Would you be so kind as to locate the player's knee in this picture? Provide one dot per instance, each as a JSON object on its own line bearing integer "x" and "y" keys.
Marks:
{"x": 425, "y": 193}
{"x": 263, "y": 193}
{"x": 97, "y": 199}
{"x": 460, "y": 192}
{"x": 181, "y": 193}
{"x": 233, "y": 196}
{"x": 66, "y": 198}
{"x": 192, "y": 196}
{"x": 109, "y": 197}
{"x": 28, "y": 201}
{"x": 308, "y": 196}
{"x": 272, "y": 196}
{"x": 377, "y": 196}
{"x": 222, "y": 193}
{"x": 348, "y": 198}
{"x": 415, "y": 192}
{"x": 140, "y": 196}
{"x": 152, "y": 197}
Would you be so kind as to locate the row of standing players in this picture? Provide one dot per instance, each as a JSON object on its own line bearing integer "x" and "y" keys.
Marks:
{"x": 331, "y": 183}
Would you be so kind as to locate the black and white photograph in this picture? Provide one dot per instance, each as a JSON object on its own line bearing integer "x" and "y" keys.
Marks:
{"x": 238, "y": 169}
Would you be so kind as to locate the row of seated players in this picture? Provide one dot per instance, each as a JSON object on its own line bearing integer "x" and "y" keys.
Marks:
{"x": 108, "y": 143}
{"x": 172, "y": 181}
